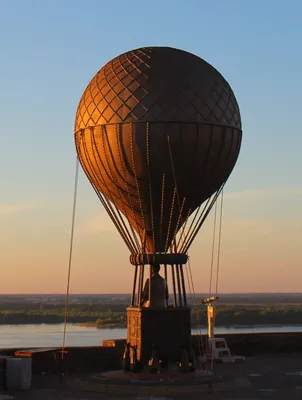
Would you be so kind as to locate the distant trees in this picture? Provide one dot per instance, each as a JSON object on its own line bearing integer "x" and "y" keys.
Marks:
{"x": 115, "y": 315}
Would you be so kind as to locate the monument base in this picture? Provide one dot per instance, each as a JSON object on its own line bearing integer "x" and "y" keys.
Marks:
{"x": 164, "y": 330}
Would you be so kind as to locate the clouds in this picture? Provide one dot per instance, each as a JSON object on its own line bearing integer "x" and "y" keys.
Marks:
{"x": 277, "y": 229}
{"x": 265, "y": 209}
{"x": 272, "y": 203}
{"x": 8, "y": 209}
{"x": 98, "y": 224}
{"x": 265, "y": 216}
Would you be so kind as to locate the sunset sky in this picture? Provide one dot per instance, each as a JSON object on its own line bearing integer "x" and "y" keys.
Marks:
{"x": 50, "y": 50}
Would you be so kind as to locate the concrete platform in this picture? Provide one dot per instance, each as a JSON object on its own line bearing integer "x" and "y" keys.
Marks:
{"x": 277, "y": 377}
{"x": 166, "y": 377}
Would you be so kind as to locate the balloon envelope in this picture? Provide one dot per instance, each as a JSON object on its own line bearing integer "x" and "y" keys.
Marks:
{"x": 158, "y": 131}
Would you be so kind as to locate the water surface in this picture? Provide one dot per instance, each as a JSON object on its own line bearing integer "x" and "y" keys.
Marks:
{"x": 52, "y": 335}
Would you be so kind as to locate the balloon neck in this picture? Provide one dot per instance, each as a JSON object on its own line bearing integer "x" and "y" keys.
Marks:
{"x": 158, "y": 258}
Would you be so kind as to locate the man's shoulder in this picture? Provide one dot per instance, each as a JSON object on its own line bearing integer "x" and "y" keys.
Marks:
{"x": 159, "y": 279}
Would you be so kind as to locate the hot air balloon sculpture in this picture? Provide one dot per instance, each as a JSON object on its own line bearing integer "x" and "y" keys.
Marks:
{"x": 158, "y": 132}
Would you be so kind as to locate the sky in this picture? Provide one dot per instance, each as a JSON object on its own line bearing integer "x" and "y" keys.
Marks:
{"x": 50, "y": 50}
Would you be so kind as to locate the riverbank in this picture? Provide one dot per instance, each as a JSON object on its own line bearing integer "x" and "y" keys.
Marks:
{"x": 101, "y": 326}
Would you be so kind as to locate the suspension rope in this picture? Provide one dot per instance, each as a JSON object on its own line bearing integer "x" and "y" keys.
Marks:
{"x": 173, "y": 170}
{"x": 210, "y": 286}
{"x": 180, "y": 207}
{"x": 201, "y": 348}
{"x": 186, "y": 234}
{"x": 150, "y": 193}
{"x": 213, "y": 250}
{"x": 188, "y": 280}
{"x": 115, "y": 212}
{"x": 217, "y": 265}
{"x": 137, "y": 184}
{"x": 179, "y": 220}
{"x": 91, "y": 173}
{"x": 170, "y": 220}
{"x": 173, "y": 286}
{"x": 183, "y": 238}
{"x": 203, "y": 219}
{"x": 183, "y": 228}
{"x": 190, "y": 235}
{"x": 134, "y": 287}
{"x": 114, "y": 180}
{"x": 219, "y": 244}
{"x": 162, "y": 209}
{"x": 117, "y": 133}
{"x": 197, "y": 214}
{"x": 70, "y": 257}
{"x": 106, "y": 203}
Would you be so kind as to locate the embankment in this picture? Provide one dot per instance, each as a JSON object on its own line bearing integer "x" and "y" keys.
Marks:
{"x": 108, "y": 355}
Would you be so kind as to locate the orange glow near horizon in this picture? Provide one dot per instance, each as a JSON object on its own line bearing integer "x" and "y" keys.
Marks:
{"x": 258, "y": 254}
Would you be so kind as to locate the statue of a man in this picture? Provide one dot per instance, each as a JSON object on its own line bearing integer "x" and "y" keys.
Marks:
{"x": 159, "y": 290}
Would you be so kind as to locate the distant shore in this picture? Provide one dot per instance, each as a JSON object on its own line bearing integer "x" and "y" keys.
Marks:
{"x": 113, "y": 315}
{"x": 101, "y": 326}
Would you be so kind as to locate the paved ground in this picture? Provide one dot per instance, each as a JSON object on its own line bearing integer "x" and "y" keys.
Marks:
{"x": 263, "y": 377}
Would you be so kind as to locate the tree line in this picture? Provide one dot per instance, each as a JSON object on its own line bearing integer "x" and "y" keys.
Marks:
{"x": 115, "y": 315}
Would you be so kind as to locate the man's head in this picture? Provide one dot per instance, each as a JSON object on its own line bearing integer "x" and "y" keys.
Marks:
{"x": 155, "y": 268}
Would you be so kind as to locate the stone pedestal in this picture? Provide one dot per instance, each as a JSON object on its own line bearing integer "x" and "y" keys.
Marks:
{"x": 168, "y": 329}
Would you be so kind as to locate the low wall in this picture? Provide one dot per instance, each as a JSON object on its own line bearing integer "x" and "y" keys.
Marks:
{"x": 250, "y": 344}
{"x": 246, "y": 344}
{"x": 109, "y": 355}
{"x": 76, "y": 359}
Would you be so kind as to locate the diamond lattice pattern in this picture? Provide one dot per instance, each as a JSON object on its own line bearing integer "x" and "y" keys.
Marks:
{"x": 157, "y": 84}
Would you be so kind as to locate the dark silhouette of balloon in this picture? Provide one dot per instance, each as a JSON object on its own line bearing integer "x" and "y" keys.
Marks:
{"x": 157, "y": 132}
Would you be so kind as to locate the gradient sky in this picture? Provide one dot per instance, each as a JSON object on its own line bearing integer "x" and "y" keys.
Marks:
{"x": 50, "y": 50}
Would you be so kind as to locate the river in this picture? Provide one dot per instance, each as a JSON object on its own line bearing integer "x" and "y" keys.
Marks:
{"x": 52, "y": 335}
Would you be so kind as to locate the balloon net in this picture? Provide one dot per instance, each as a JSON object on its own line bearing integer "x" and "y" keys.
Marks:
{"x": 157, "y": 189}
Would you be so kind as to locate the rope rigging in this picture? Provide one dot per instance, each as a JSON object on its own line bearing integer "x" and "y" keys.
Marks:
{"x": 103, "y": 163}
{"x": 70, "y": 259}
{"x": 217, "y": 263}
{"x": 158, "y": 143}
{"x": 213, "y": 250}
{"x": 188, "y": 238}
{"x": 185, "y": 226}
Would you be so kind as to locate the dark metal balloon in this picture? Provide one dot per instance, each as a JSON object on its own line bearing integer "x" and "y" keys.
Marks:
{"x": 158, "y": 131}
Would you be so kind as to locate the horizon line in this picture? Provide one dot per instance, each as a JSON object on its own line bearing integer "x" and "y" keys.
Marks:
{"x": 129, "y": 294}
